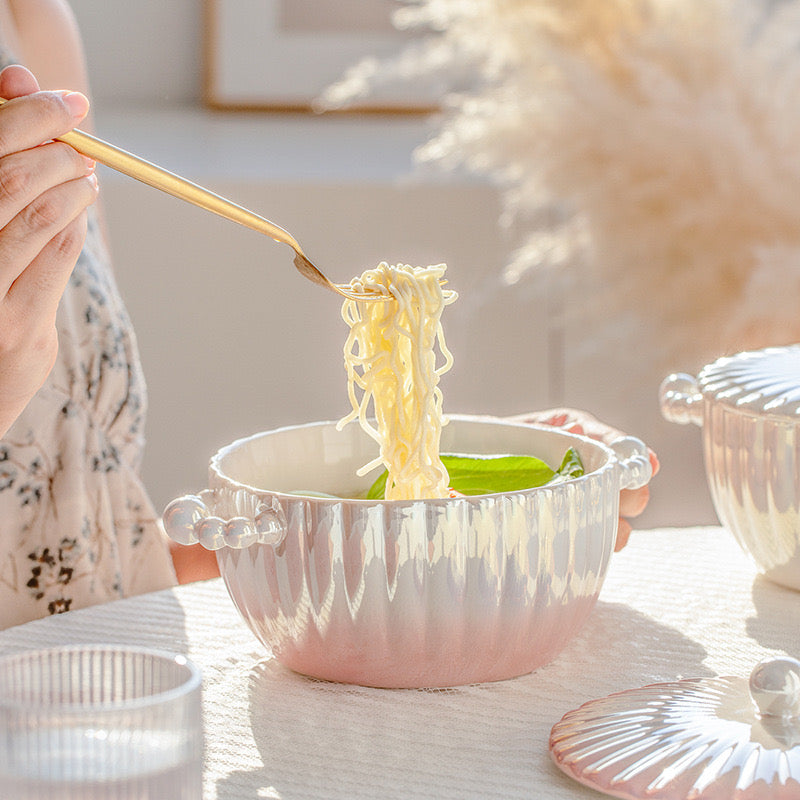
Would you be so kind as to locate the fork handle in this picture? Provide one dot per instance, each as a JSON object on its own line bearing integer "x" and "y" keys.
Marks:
{"x": 159, "y": 178}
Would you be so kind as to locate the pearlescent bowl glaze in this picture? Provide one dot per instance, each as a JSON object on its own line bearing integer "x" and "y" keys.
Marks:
{"x": 422, "y": 593}
{"x": 694, "y": 739}
{"x": 748, "y": 406}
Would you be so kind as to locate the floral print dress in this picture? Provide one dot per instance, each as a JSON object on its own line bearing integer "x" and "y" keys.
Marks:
{"x": 76, "y": 525}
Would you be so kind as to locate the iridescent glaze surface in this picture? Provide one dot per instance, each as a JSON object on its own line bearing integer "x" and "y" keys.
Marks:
{"x": 749, "y": 408}
{"x": 419, "y": 593}
{"x": 696, "y": 739}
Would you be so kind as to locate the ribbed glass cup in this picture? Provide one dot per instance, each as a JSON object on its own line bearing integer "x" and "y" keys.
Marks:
{"x": 90, "y": 722}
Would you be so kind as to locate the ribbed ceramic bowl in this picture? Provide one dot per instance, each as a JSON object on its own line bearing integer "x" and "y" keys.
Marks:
{"x": 748, "y": 405}
{"x": 420, "y": 593}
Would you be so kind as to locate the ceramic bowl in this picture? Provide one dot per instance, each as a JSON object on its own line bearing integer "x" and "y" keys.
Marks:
{"x": 425, "y": 593}
{"x": 748, "y": 406}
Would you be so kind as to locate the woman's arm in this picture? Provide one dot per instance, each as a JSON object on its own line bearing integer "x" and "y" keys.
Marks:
{"x": 46, "y": 39}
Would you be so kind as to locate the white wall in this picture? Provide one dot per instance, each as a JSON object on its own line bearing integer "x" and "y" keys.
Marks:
{"x": 147, "y": 52}
{"x": 234, "y": 341}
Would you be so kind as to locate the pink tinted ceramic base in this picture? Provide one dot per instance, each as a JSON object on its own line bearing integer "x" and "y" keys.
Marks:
{"x": 401, "y": 657}
{"x": 393, "y": 651}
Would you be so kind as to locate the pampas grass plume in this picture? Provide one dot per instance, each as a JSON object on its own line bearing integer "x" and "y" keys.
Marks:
{"x": 664, "y": 133}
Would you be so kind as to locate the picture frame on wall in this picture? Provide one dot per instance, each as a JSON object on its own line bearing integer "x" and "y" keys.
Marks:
{"x": 279, "y": 55}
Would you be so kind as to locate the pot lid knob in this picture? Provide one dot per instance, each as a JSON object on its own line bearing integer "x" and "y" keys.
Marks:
{"x": 775, "y": 687}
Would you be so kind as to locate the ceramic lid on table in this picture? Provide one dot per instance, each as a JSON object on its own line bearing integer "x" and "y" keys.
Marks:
{"x": 693, "y": 739}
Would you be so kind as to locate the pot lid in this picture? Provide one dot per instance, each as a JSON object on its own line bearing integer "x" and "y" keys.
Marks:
{"x": 693, "y": 739}
{"x": 760, "y": 381}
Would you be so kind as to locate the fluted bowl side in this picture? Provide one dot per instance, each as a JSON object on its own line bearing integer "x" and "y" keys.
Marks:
{"x": 753, "y": 470}
{"x": 415, "y": 593}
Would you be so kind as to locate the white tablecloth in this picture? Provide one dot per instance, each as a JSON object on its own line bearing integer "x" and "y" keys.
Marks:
{"x": 676, "y": 603}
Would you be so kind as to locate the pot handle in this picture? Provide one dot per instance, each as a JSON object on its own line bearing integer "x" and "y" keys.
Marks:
{"x": 633, "y": 458}
{"x": 681, "y": 400}
{"x": 190, "y": 520}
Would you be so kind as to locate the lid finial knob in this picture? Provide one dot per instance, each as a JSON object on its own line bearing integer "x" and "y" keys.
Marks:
{"x": 775, "y": 687}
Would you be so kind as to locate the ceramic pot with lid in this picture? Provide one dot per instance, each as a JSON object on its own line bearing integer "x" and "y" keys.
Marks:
{"x": 748, "y": 406}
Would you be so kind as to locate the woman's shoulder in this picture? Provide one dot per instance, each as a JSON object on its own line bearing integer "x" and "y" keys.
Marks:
{"x": 49, "y": 43}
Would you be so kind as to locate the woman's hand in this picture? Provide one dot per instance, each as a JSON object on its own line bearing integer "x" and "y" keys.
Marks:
{"x": 632, "y": 502}
{"x": 45, "y": 189}
{"x": 193, "y": 562}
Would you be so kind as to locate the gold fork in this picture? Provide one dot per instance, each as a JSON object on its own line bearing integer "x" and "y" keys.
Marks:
{"x": 159, "y": 178}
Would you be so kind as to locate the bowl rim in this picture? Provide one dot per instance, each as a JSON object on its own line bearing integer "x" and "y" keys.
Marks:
{"x": 611, "y": 460}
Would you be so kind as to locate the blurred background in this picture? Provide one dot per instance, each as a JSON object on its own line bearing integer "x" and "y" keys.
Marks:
{"x": 234, "y": 341}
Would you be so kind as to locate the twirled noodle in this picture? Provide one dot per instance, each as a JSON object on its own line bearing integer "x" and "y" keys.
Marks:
{"x": 389, "y": 356}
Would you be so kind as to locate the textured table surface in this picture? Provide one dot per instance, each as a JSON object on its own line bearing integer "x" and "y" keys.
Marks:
{"x": 677, "y": 603}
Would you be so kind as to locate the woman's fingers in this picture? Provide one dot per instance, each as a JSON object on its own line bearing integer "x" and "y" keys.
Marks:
{"x": 27, "y": 175}
{"x": 43, "y": 239}
{"x": 623, "y": 534}
{"x": 44, "y": 184}
{"x": 33, "y": 119}
{"x": 633, "y": 502}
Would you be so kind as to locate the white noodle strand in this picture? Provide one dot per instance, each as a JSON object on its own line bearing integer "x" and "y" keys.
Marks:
{"x": 389, "y": 358}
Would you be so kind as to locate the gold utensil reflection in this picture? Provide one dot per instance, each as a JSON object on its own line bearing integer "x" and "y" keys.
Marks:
{"x": 159, "y": 178}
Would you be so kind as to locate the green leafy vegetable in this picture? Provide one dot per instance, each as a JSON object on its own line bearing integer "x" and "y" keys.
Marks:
{"x": 571, "y": 467}
{"x": 378, "y": 489}
{"x": 473, "y": 475}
